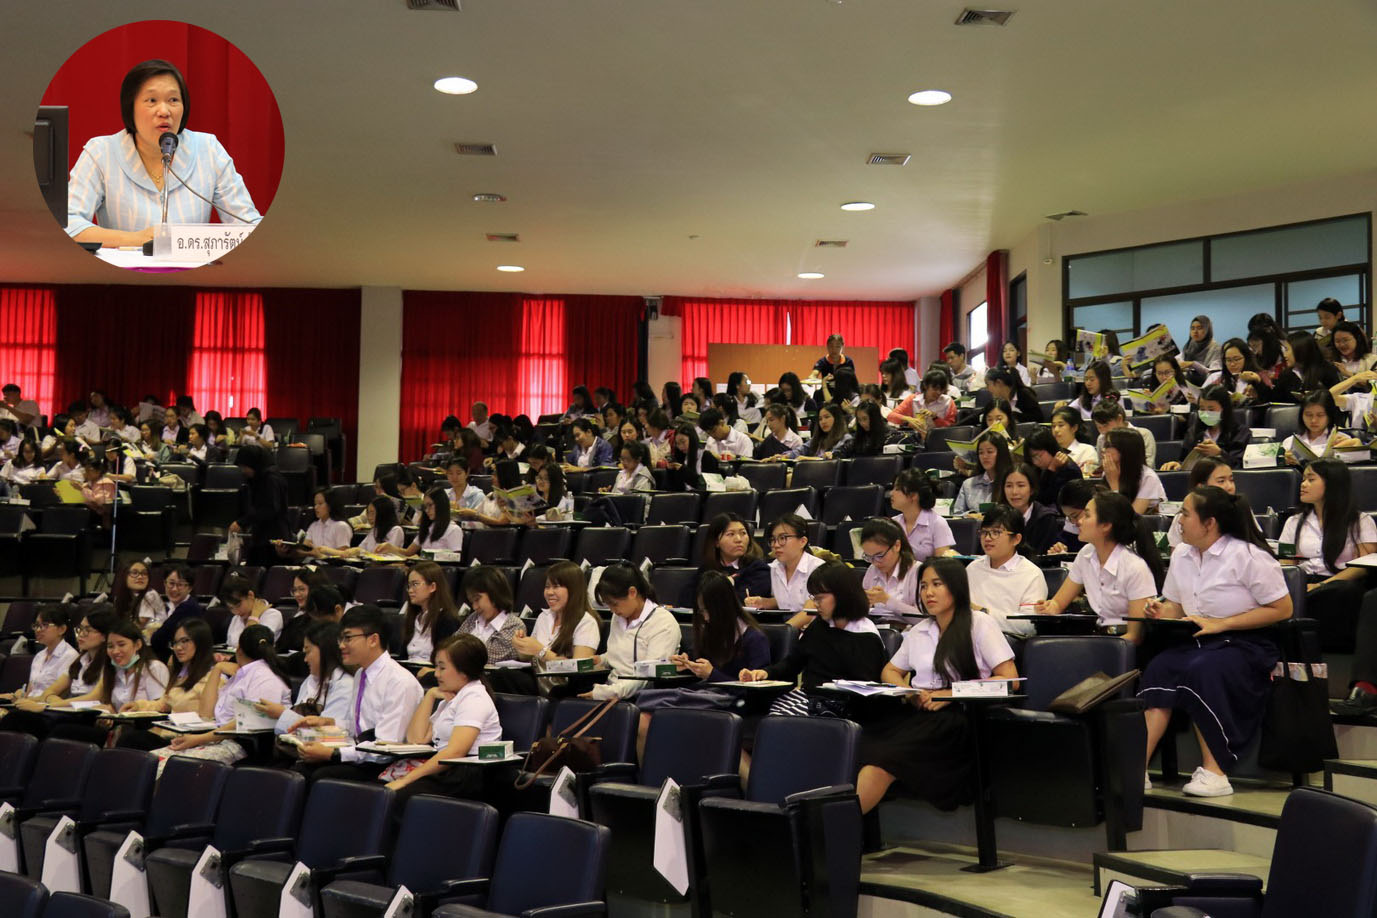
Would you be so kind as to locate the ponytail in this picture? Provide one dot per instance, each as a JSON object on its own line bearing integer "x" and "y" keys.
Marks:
{"x": 1130, "y": 529}
{"x": 256, "y": 643}
{"x": 1232, "y": 513}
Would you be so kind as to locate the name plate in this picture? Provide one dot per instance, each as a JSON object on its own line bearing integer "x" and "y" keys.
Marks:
{"x": 202, "y": 242}
{"x": 978, "y": 688}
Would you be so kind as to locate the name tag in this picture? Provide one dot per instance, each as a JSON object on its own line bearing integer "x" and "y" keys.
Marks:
{"x": 202, "y": 242}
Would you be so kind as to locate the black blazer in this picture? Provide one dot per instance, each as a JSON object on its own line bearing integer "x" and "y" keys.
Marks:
{"x": 1232, "y": 442}
{"x": 161, "y": 640}
{"x": 1042, "y": 529}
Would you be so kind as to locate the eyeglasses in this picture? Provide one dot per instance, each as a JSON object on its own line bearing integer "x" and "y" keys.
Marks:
{"x": 182, "y": 642}
{"x": 83, "y": 630}
{"x": 39, "y": 626}
{"x": 993, "y": 533}
{"x": 139, "y": 574}
{"x": 1074, "y": 516}
{"x": 415, "y": 584}
{"x": 173, "y": 582}
{"x": 817, "y": 597}
{"x": 346, "y": 638}
{"x": 781, "y": 539}
{"x": 878, "y": 556}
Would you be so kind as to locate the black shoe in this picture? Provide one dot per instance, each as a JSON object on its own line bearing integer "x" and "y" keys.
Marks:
{"x": 1359, "y": 703}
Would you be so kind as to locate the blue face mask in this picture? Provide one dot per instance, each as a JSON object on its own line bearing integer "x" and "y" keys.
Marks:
{"x": 132, "y": 660}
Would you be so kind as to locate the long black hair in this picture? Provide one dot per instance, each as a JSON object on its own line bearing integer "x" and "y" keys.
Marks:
{"x": 1130, "y": 529}
{"x": 202, "y": 661}
{"x": 1100, "y": 370}
{"x": 324, "y": 635}
{"x": 430, "y": 530}
{"x": 870, "y": 442}
{"x": 954, "y": 657}
{"x": 1231, "y": 512}
{"x": 256, "y": 643}
{"x": 617, "y": 581}
{"x": 103, "y": 620}
{"x": 384, "y": 517}
{"x": 1310, "y": 362}
{"x": 887, "y": 532}
{"x": 719, "y": 622}
{"x": 1339, "y": 517}
{"x": 1002, "y": 457}
{"x": 1220, "y": 396}
{"x": 1250, "y": 364}
{"x": 1325, "y": 400}
{"x": 821, "y": 442}
{"x": 1132, "y": 459}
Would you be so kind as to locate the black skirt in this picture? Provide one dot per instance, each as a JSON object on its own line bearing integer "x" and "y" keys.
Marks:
{"x": 926, "y": 751}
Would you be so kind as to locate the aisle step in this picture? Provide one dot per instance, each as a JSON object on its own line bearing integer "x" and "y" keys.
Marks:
{"x": 1171, "y": 868}
{"x": 1244, "y": 822}
{"x": 1356, "y": 778}
{"x": 1357, "y": 737}
{"x": 928, "y": 879}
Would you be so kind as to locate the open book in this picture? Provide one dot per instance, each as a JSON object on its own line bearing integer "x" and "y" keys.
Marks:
{"x": 1159, "y": 398}
{"x": 521, "y": 500}
{"x": 1141, "y": 352}
{"x": 1305, "y": 453}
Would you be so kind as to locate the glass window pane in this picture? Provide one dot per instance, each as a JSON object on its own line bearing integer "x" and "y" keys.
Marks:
{"x": 1297, "y": 248}
{"x": 1176, "y": 264}
{"x": 1302, "y": 296}
{"x": 1116, "y": 316}
{"x": 1018, "y": 294}
{"x": 977, "y": 326}
{"x": 1229, "y": 310}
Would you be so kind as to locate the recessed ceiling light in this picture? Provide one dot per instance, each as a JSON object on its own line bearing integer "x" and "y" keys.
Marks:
{"x": 489, "y": 197}
{"x": 810, "y": 275}
{"x": 510, "y": 269}
{"x": 858, "y": 205}
{"x": 930, "y": 97}
{"x": 455, "y": 86}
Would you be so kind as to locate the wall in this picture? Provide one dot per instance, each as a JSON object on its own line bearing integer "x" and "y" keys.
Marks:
{"x": 664, "y": 354}
{"x": 1270, "y": 207}
{"x": 380, "y": 377}
{"x": 929, "y": 348}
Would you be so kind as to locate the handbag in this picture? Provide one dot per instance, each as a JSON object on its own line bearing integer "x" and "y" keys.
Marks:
{"x": 569, "y": 748}
{"x": 1297, "y": 734}
{"x": 1090, "y": 692}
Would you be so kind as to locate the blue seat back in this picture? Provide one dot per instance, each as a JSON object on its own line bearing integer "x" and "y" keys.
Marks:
{"x": 523, "y": 718}
{"x": 794, "y": 754}
{"x": 21, "y": 897}
{"x": 576, "y": 875}
{"x": 17, "y": 754}
{"x": 1310, "y": 873}
{"x": 60, "y": 771}
{"x": 688, "y": 745}
{"x": 1054, "y": 664}
{"x": 124, "y": 781}
{"x": 188, "y": 793}
{"x": 616, "y": 728}
{"x": 258, "y": 803}
{"x": 343, "y": 819}
{"x": 470, "y": 830}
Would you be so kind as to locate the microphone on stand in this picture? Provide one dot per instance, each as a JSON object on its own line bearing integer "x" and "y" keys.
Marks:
{"x": 162, "y": 236}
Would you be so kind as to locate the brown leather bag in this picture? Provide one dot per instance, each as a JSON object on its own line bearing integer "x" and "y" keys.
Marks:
{"x": 571, "y": 748}
{"x": 1090, "y": 691}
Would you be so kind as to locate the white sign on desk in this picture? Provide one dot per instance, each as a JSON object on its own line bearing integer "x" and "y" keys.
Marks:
{"x": 202, "y": 242}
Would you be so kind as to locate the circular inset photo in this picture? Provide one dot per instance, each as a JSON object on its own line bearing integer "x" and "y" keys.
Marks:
{"x": 158, "y": 146}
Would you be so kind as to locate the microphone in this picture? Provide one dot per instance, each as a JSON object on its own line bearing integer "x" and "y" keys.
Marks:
{"x": 167, "y": 142}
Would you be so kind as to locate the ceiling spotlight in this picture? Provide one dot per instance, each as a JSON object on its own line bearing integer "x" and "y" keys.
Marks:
{"x": 455, "y": 86}
{"x": 489, "y": 197}
{"x": 930, "y": 97}
{"x": 511, "y": 269}
{"x": 810, "y": 275}
{"x": 858, "y": 205}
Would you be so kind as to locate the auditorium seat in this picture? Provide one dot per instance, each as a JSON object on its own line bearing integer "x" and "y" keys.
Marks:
{"x": 782, "y": 639}
{"x": 966, "y": 531}
{"x": 1277, "y": 489}
{"x": 1174, "y": 483}
{"x": 599, "y": 545}
{"x": 1169, "y": 451}
{"x": 684, "y": 508}
{"x": 774, "y": 504}
{"x": 842, "y": 542}
{"x": 858, "y": 502}
{"x": 936, "y": 440}
{"x": 941, "y": 461}
{"x": 491, "y": 545}
{"x": 877, "y": 470}
{"x": 675, "y": 586}
{"x": 76, "y": 905}
{"x": 661, "y": 544}
{"x": 19, "y": 618}
{"x": 294, "y": 462}
{"x": 1285, "y": 419}
{"x": 763, "y": 476}
{"x": 530, "y": 590}
{"x": 60, "y": 547}
{"x": 546, "y": 543}
{"x": 741, "y": 503}
{"x": 523, "y": 718}
{"x": 818, "y": 473}
{"x": 1364, "y": 487}
{"x": 21, "y": 897}
{"x": 1159, "y": 425}
{"x": 220, "y": 500}
{"x": 617, "y": 745}
{"x": 18, "y": 751}
{"x": 381, "y": 586}
{"x": 630, "y": 507}
{"x": 56, "y": 783}
{"x": 277, "y": 584}
{"x": 147, "y": 524}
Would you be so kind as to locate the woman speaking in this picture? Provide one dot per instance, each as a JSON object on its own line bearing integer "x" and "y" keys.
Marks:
{"x": 114, "y": 190}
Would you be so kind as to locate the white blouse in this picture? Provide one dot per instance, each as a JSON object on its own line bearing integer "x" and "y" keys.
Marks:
{"x": 330, "y": 534}
{"x": 1109, "y": 589}
{"x": 790, "y": 593}
{"x": 395, "y": 537}
{"x": 1003, "y": 591}
{"x": 452, "y": 539}
{"x": 903, "y": 591}
{"x": 48, "y": 666}
{"x": 471, "y": 707}
{"x": 587, "y": 633}
{"x": 916, "y": 653}
{"x": 147, "y": 685}
{"x": 1228, "y": 578}
{"x": 1309, "y": 542}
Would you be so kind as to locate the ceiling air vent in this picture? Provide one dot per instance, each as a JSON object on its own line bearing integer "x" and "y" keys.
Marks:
{"x": 475, "y": 149}
{"x": 830, "y": 244}
{"x": 503, "y": 237}
{"x": 444, "y": 6}
{"x": 1066, "y": 213}
{"x": 887, "y": 159}
{"x": 984, "y": 17}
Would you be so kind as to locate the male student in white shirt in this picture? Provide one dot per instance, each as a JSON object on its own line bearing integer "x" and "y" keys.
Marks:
{"x": 724, "y": 442}
{"x": 385, "y": 695}
{"x": 87, "y": 431}
{"x": 480, "y": 424}
{"x": 22, "y": 410}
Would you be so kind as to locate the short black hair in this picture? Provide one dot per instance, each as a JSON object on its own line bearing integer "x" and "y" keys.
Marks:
{"x": 141, "y": 73}
{"x": 1107, "y": 410}
{"x": 369, "y": 619}
{"x": 955, "y": 348}
{"x": 709, "y": 418}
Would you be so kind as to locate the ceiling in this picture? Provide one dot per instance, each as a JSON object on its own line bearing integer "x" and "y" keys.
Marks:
{"x": 702, "y": 146}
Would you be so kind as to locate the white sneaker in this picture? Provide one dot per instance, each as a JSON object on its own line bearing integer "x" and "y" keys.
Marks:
{"x": 1147, "y": 782}
{"x": 1204, "y": 783}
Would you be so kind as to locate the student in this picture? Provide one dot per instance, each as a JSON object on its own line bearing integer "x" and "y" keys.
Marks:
{"x": 998, "y": 416}
{"x": 1265, "y": 343}
{"x": 992, "y": 454}
{"x": 891, "y": 580}
{"x": 783, "y": 441}
{"x": 641, "y": 629}
{"x": 729, "y": 548}
{"x": 437, "y": 531}
{"x": 247, "y": 608}
{"x": 330, "y": 532}
{"x": 220, "y": 435}
{"x": 1216, "y": 473}
{"x": 1223, "y": 578}
{"x": 1307, "y": 368}
{"x": 726, "y": 638}
{"x": 81, "y": 681}
{"x": 1059, "y": 357}
{"x": 1164, "y": 370}
{"x": 1011, "y": 357}
{"x": 1109, "y": 416}
{"x": 1119, "y": 568}
{"x": 701, "y": 391}
{"x": 843, "y": 388}
{"x": 26, "y": 467}
{"x": 789, "y": 571}
{"x": 559, "y": 503}
{"x": 430, "y": 614}
{"x": 928, "y": 534}
{"x": 130, "y": 674}
{"x": 1072, "y": 501}
{"x": 1330, "y": 314}
{"x": 843, "y": 644}
{"x": 383, "y": 530}
{"x": 834, "y": 360}
{"x": 686, "y": 462}
{"x": 193, "y": 668}
{"x": 792, "y": 393}
{"x": 869, "y": 436}
{"x": 590, "y": 450}
{"x": 1003, "y": 581}
{"x": 181, "y": 605}
{"x": 1352, "y": 349}
{"x": 1214, "y": 431}
{"x": 1201, "y": 355}
{"x": 927, "y": 408}
{"x": 963, "y": 375}
{"x": 1241, "y": 374}
{"x": 1126, "y": 471}
{"x": 657, "y": 438}
{"x": 328, "y": 687}
{"x": 148, "y": 445}
{"x": 384, "y": 696}
{"x": 134, "y": 598}
{"x": 1097, "y": 386}
{"x": 120, "y": 467}
{"x": 52, "y": 631}
{"x": 266, "y": 518}
{"x": 198, "y": 447}
{"x": 1006, "y": 384}
{"x": 739, "y": 388}
{"x": 894, "y": 385}
{"x": 1319, "y": 421}
{"x": 1065, "y": 429}
{"x": 1055, "y": 466}
{"x": 581, "y": 405}
{"x": 258, "y": 677}
{"x": 927, "y": 750}
{"x": 830, "y": 436}
{"x": 68, "y": 466}
{"x": 1017, "y": 489}
{"x": 1327, "y": 533}
{"x": 255, "y": 431}
{"x": 723, "y": 441}
{"x": 567, "y": 628}
{"x": 633, "y": 474}
{"x": 492, "y": 620}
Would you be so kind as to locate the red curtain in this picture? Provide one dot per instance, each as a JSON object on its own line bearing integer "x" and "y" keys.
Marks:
{"x": 542, "y": 370}
{"x": 997, "y": 296}
{"x": 227, "y": 371}
{"x": 312, "y": 349}
{"x": 879, "y": 324}
{"x": 602, "y": 340}
{"x": 946, "y": 321}
{"x": 723, "y": 322}
{"x": 28, "y": 343}
{"x": 227, "y": 94}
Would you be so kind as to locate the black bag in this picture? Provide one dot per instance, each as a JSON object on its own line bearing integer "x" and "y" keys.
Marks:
{"x": 1297, "y": 734}
{"x": 603, "y": 512}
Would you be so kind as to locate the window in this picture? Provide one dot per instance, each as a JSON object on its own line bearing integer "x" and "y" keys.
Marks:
{"x": 1281, "y": 271}
{"x": 227, "y": 371}
{"x": 1018, "y": 313}
{"x": 28, "y": 343}
{"x": 977, "y": 333}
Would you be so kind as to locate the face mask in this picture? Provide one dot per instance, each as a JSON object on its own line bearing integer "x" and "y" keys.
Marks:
{"x": 1209, "y": 418}
{"x": 1073, "y": 528}
{"x": 132, "y": 660}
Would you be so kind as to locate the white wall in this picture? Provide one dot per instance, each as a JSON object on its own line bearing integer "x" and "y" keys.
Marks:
{"x": 929, "y": 326}
{"x": 380, "y": 375}
{"x": 664, "y": 351}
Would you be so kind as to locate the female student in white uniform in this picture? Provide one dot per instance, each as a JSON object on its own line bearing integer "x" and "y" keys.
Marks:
{"x": 255, "y": 431}
{"x": 437, "y": 530}
{"x": 135, "y": 600}
{"x": 567, "y": 628}
{"x": 789, "y": 571}
{"x": 52, "y": 630}
{"x": 1003, "y": 581}
{"x": 641, "y": 629}
{"x": 633, "y": 473}
{"x": 328, "y": 687}
{"x": 383, "y": 530}
{"x": 992, "y": 454}
{"x": 247, "y": 608}
{"x": 493, "y": 620}
{"x": 193, "y": 668}
{"x": 1224, "y": 578}
{"x": 131, "y": 675}
{"x": 430, "y": 614}
{"x": 1126, "y": 470}
{"x": 1066, "y": 424}
{"x": 1119, "y": 568}
{"x": 455, "y": 717}
{"x": 927, "y": 750}
{"x": 26, "y": 467}
{"x": 891, "y": 581}
{"x": 330, "y": 532}
{"x": 927, "y": 532}
{"x": 1319, "y": 416}
{"x": 1327, "y": 533}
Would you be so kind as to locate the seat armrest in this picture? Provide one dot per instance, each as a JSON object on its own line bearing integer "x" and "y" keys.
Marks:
{"x": 450, "y": 889}
{"x": 1178, "y": 911}
{"x": 48, "y": 808}
{"x": 720, "y": 782}
{"x": 256, "y": 848}
{"x": 573, "y": 910}
{"x": 346, "y": 865}
{"x": 624, "y": 772}
{"x": 201, "y": 832}
{"x": 1223, "y": 884}
{"x": 84, "y": 826}
{"x": 820, "y": 794}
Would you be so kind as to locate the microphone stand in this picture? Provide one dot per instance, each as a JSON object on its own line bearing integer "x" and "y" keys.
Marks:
{"x": 162, "y": 236}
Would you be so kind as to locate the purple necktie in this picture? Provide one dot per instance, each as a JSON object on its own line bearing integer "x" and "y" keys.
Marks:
{"x": 358, "y": 700}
